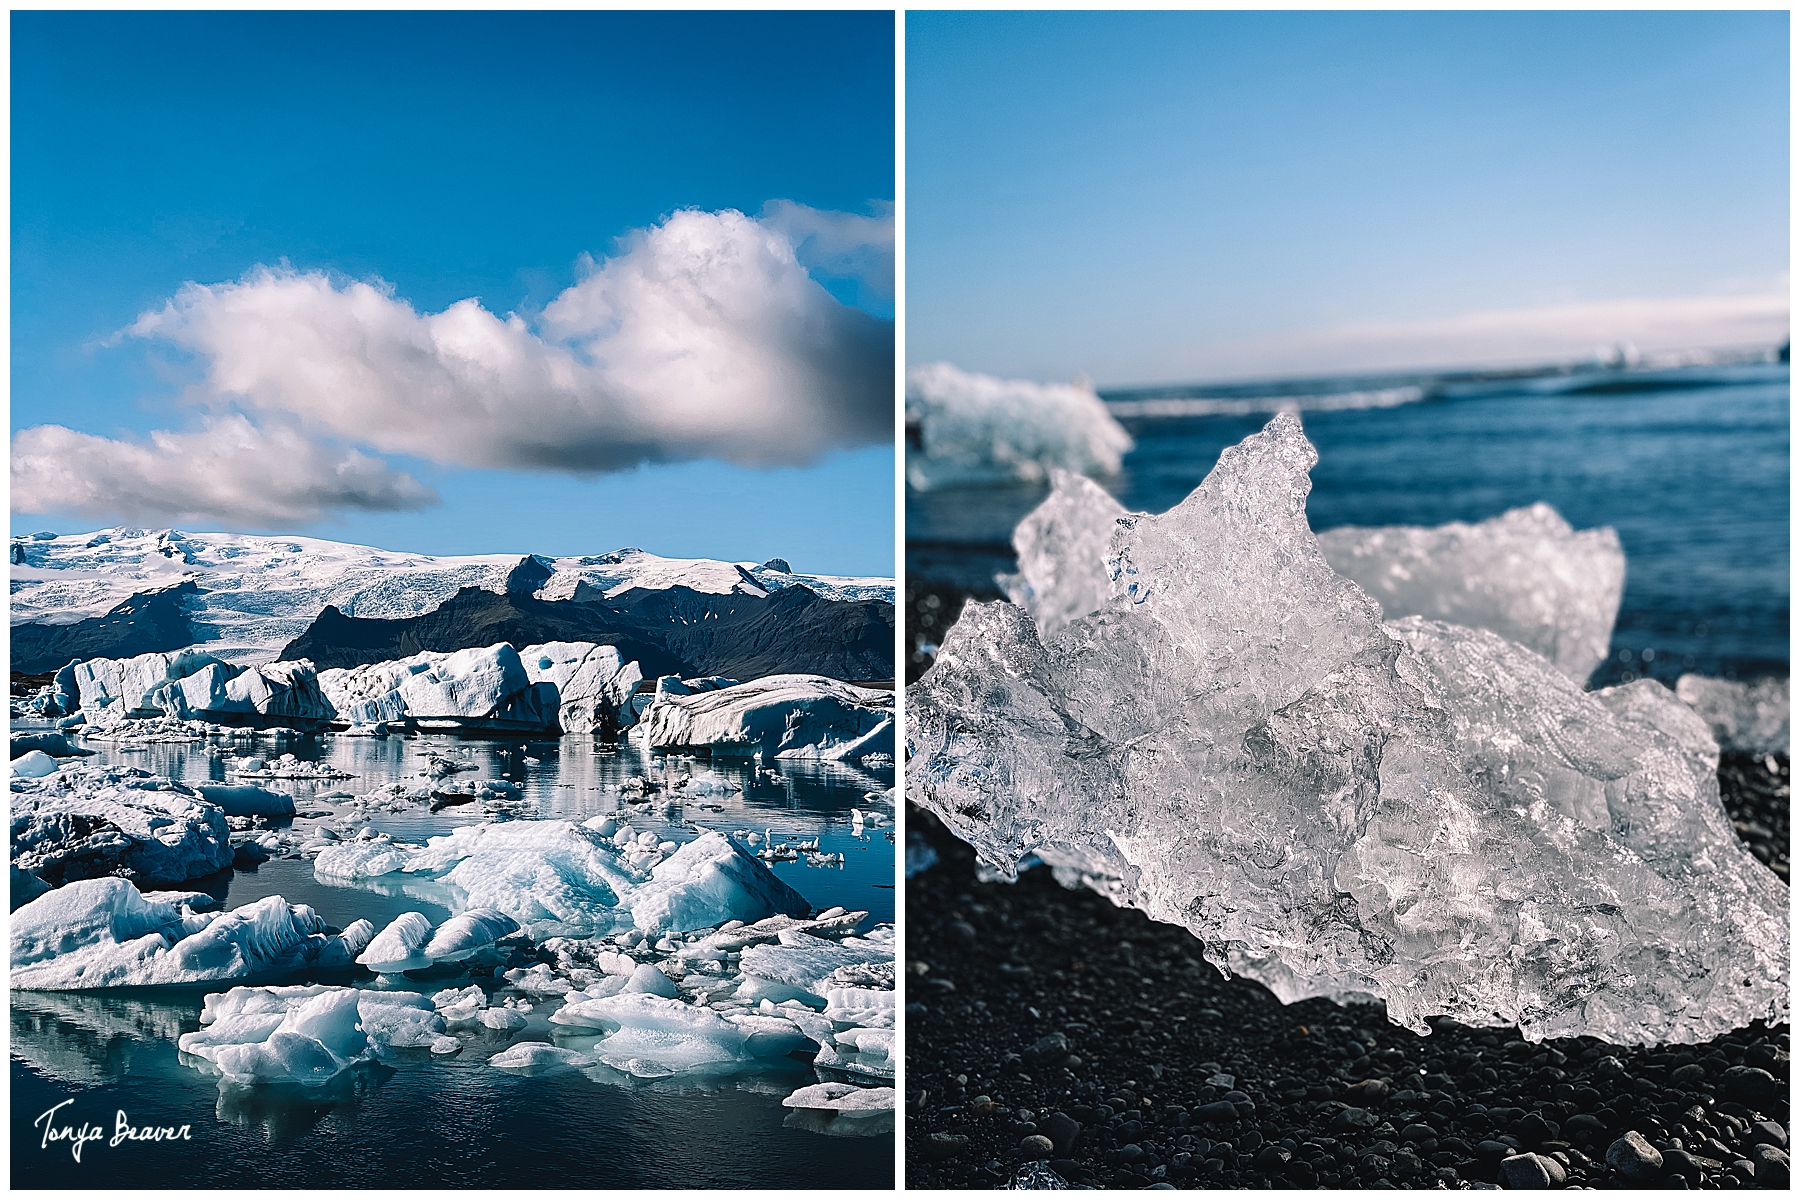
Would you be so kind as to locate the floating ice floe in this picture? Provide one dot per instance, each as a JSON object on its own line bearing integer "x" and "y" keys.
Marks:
{"x": 1751, "y": 717}
{"x": 842, "y": 1110}
{"x": 306, "y": 1035}
{"x": 780, "y": 716}
{"x": 285, "y": 767}
{"x": 33, "y": 764}
{"x": 102, "y": 933}
{"x": 556, "y": 877}
{"x": 87, "y": 821}
{"x": 1524, "y": 574}
{"x": 980, "y": 429}
{"x": 246, "y": 800}
{"x": 1418, "y": 812}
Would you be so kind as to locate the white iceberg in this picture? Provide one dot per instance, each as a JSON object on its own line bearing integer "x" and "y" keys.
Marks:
{"x": 657, "y": 1036}
{"x": 980, "y": 429}
{"x": 468, "y": 934}
{"x": 88, "y": 821}
{"x": 33, "y": 764}
{"x": 842, "y": 1109}
{"x": 486, "y": 687}
{"x": 1750, "y": 717}
{"x": 307, "y": 1035}
{"x": 399, "y": 947}
{"x": 1419, "y": 812}
{"x": 594, "y": 684}
{"x": 532, "y": 1057}
{"x": 707, "y": 882}
{"x": 781, "y": 716}
{"x": 100, "y": 933}
{"x": 1524, "y": 574}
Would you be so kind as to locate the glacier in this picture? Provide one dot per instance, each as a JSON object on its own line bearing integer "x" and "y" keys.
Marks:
{"x": 778, "y": 716}
{"x": 1411, "y": 811}
{"x": 257, "y": 594}
{"x": 977, "y": 429}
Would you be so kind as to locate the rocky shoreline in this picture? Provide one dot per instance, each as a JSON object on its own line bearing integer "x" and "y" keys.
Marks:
{"x": 1054, "y": 1040}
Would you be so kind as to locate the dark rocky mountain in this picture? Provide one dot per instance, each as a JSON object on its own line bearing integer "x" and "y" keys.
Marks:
{"x": 145, "y": 622}
{"x": 669, "y": 631}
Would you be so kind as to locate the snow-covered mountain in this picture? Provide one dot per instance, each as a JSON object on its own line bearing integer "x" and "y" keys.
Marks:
{"x": 256, "y": 594}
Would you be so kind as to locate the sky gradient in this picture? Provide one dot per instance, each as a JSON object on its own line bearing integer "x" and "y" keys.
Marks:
{"x": 443, "y": 157}
{"x": 1169, "y": 197}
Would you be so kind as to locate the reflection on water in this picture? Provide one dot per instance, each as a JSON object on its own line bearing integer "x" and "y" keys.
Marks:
{"x": 420, "y": 1121}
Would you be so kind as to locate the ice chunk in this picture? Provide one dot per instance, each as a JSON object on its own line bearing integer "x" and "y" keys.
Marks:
{"x": 113, "y": 689}
{"x": 1744, "y": 716}
{"x": 809, "y": 964}
{"x": 362, "y": 860}
{"x": 307, "y": 1034}
{"x": 842, "y": 1109}
{"x": 1524, "y": 574}
{"x": 549, "y": 876}
{"x": 538, "y": 1057}
{"x": 708, "y": 882}
{"x": 88, "y": 821}
{"x": 783, "y": 716}
{"x": 245, "y": 800}
{"x": 468, "y": 933}
{"x": 980, "y": 429}
{"x": 658, "y": 1036}
{"x": 594, "y": 685}
{"x": 480, "y": 687}
{"x": 861, "y": 1006}
{"x": 1062, "y": 546}
{"x": 399, "y": 947}
{"x": 648, "y": 979}
{"x": 98, "y": 933}
{"x": 1419, "y": 812}
{"x": 504, "y": 1020}
{"x": 33, "y": 764}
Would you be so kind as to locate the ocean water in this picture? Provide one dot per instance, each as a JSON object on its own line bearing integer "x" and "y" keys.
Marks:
{"x": 1688, "y": 464}
{"x": 452, "y": 1122}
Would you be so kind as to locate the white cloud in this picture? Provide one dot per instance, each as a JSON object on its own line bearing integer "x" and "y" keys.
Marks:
{"x": 703, "y": 338}
{"x": 231, "y": 472}
{"x": 1561, "y": 332}
{"x": 840, "y": 244}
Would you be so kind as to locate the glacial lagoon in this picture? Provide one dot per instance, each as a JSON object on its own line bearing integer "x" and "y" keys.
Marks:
{"x": 447, "y": 1121}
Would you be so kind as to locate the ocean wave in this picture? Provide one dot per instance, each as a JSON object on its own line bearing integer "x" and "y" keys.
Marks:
{"x": 1244, "y": 406}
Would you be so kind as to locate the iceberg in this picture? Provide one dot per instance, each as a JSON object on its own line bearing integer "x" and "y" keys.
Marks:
{"x": 780, "y": 716}
{"x": 842, "y": 1109}
{"x": 485, "y": 687}
{"x": 101, "y": 933}
{"x": 34, "y": 764}
{"x": 245, "y": 800}
{"x": 281, "y": 691}
{"x": 399, "y": 947}
{"x": 306, "y": 1035}
{"x": 594, "y": 685}
{"x": 1750, "y": 717}
{"x": 537, "y": 1057}
{"x": 977, "y": 429}
{"x": 1524, "y": 574}
{"x": 1417, "y": 812}
{"x": 707, "y": 882}
{"x": 88, "y": 821}
{"x": 468, "y": 934}
{"x": 656, "y": 1036}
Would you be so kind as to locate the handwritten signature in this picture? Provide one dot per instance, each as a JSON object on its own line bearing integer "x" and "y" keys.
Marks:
{"x": 80, "y": 1135}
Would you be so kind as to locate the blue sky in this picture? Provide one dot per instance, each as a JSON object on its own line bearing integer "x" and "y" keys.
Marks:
{"x": 444, "y": 157}
{"x": 1160, "y": 197}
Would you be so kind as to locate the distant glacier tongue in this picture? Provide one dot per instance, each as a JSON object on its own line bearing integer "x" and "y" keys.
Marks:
{"x": 1417, "y": 812}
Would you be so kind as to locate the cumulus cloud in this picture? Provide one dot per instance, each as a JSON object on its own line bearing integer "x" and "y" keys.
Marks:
{"x": 704, "y": 337}
{"x": 839, "y": 244}
{"x": 231, "y": 471}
